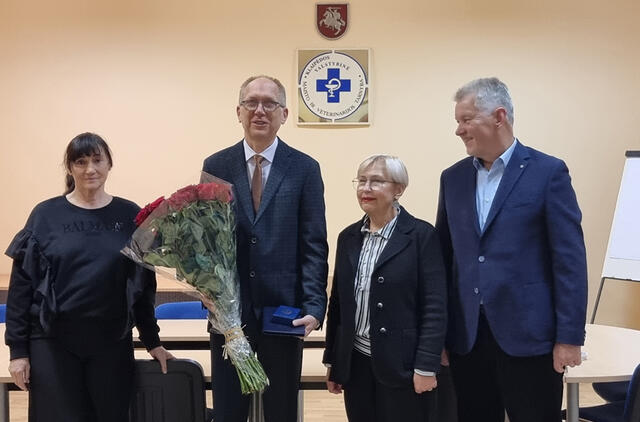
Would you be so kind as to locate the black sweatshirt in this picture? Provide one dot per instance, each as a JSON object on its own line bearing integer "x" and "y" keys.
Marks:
{"x": 69, "y": 279}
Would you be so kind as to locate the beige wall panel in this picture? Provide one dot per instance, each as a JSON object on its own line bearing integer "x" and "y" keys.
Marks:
{"x": 158, "y": 79}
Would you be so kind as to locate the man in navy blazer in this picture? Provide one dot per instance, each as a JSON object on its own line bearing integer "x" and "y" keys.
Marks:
{"x": 282, "y": 248}
{"x": 514, "y": 251}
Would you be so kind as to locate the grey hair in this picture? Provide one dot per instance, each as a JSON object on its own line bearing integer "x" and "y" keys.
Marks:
{"x": 394, "y": 167}
{"x": 282, "y": 95}
{"x": 489, "y": 93}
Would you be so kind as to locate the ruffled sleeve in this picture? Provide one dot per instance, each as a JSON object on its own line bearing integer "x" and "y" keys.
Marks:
{"x": 31, "y": 287}
{"x": 19, "y": 245}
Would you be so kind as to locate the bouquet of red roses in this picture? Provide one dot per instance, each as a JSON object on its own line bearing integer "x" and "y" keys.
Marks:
{"x": 193, "y": 232}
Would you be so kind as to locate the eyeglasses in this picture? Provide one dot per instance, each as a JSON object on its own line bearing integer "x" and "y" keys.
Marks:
{"x": 268, "y": 106}
{"x": 374, "y": 184}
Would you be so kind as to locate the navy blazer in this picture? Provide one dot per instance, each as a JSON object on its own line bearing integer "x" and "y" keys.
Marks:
{"x": 528, "y": 265}
{"x": 407, "y": 303}
{"x": 282, "y": 249}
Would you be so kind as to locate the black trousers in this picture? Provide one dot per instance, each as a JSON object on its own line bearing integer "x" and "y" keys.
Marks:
{"x": 73, "y": 386}
{"x": 447, "y": 403}
{"x": 368, "y": 400}
{"x": 281, "y": 358}
{"x": 488, "y": 381}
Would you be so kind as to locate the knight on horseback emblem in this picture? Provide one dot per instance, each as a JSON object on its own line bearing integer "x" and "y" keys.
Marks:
{"x": 332, "y": 19}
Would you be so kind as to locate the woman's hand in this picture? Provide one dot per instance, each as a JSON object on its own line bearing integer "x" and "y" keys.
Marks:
{"x": 20, "y": 370}
{"x": 162, "y": 355}
{"x": 423, "y": 383}
{"x": 333, "y": 387}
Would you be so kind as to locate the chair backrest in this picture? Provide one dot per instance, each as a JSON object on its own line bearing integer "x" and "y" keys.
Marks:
{"x": 181, "y": 310}
{"x": 632, "y": 404}
{"x": 177, "y": 396}
{"x": 611, "y": 391}
{"x": 3, "y": 313}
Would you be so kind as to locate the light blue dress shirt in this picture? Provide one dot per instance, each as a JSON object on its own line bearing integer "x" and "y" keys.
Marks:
{"x": 487, "y": 182}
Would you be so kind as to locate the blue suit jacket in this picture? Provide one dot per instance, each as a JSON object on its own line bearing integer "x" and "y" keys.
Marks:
{"x": 282, "y": 249}
{"x": 528, "y": 265}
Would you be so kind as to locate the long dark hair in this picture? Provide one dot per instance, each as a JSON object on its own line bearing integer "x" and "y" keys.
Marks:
{"x": 84, "y": 145}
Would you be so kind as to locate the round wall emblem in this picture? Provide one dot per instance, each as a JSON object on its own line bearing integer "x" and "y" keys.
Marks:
{"x": 333, "y": 85}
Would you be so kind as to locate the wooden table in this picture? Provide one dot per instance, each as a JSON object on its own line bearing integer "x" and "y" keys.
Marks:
{"x": 313, "y": 371}
{"x": 613, "y": 354}
{"x": 185, "y": 332}
{"x": 5, "y": 379}
{"x": 312, "y": 377}
{"x": 188, "y": 338}
{"x": 191, "y": 334}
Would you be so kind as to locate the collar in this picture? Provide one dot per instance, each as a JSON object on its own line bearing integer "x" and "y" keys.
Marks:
{"x": 385, "y": 231}
{"x": 267, "y": 154}
{"x": 505, "y": 157}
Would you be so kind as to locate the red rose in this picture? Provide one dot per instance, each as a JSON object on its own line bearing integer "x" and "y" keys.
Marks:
{"x": 214, "y": 191}
{"x": 144, "y": 213}
{"x": 183, "y": 197}
{"x": 207, "y": 191}
{"x": 224, "y": 193}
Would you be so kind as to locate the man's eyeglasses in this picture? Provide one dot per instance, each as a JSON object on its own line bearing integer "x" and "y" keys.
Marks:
{"x": 267, "y": 106}
{"x": 374, "y": 184}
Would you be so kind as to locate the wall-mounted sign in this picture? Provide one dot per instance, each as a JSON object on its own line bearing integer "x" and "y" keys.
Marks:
{"x": 333, "y": 87}
{"x": 332, "y": 20}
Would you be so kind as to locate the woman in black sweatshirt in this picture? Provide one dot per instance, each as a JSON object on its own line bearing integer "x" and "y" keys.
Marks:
{"x": 73, "y": 298}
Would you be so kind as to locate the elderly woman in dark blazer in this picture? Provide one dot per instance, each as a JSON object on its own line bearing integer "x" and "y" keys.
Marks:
{"x": 387, "y": 312}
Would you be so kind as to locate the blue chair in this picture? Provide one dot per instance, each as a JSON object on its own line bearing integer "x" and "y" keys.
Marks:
{"x": 3, "y": 313}
{"x": 627, "y": 410}
{"x": 612, "y": 391}
{"x": 181, "y": 310}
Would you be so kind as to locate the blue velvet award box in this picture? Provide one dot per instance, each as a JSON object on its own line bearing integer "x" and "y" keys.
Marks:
{"x": 285, "y": 315}
{"x": 278, "y": 321}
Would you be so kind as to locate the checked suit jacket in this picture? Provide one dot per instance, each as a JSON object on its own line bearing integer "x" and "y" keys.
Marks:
{"x": 282, "y": 249}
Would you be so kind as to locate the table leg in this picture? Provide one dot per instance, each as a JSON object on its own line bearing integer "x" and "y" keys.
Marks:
{"x": 300, "y": 406}
{"x": 573, "y": 404}
{"x": 4, "y": 402}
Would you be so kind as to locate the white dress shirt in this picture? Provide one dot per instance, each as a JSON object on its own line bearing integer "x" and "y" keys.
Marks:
{"x": 267, "y": 156}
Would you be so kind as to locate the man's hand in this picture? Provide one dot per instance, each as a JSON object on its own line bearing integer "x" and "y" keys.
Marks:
{"x": 422, "y": 383}
{"x": 566, "y": 355}
{"x": 161, "y": 355}
{"x": 20, "y": 370}
{"x": 333, "y": 387}
{"x": 309, "y": 321}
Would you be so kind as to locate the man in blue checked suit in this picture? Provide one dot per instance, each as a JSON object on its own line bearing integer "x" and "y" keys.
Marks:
{"x": 282, "y": 248}
{"x": 514, "y": 250}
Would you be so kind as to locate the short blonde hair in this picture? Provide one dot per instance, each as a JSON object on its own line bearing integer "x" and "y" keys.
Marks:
{"x": 394, "y": 167}
{"x": 282, "y": 95}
